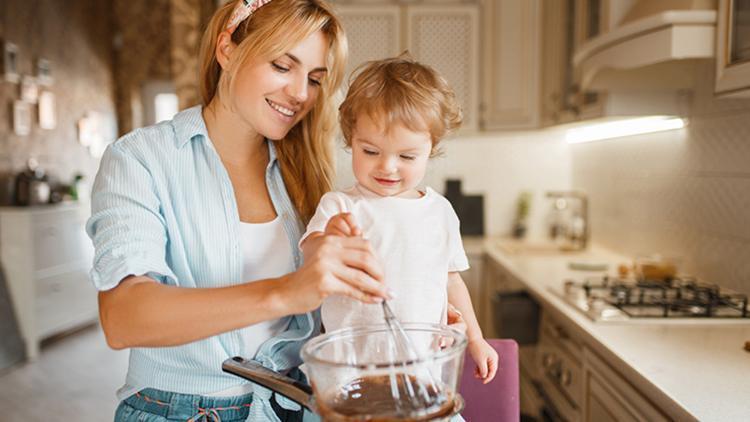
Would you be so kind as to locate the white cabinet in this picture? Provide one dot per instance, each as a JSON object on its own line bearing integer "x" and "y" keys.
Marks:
{"x": 608, "y": 397}
{"x": 446, "y": 37}
{"x": 442, "y": 34}
{"x": 46, "y": 256}
{"x": 733, "y": 48}
{"x": 511, "y": 49}
{"x": 373, "y": 32}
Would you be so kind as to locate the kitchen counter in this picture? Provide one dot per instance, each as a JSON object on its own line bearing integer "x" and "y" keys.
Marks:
{"x": 690, "y": 369}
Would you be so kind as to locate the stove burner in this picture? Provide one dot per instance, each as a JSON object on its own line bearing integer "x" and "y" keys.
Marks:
{"x": 675, "y": 297}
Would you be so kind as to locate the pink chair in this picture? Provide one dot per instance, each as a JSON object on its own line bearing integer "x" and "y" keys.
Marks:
{"x": 498, "y": 400}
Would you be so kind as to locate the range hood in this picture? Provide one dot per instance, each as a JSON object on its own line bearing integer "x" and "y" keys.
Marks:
{"x": 651, "y": 53}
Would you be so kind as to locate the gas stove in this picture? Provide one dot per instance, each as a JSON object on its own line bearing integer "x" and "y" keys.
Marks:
{"x": 611, "y": 298}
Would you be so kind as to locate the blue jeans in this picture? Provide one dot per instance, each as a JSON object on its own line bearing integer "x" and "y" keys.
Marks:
{"x": 151, "y": 405}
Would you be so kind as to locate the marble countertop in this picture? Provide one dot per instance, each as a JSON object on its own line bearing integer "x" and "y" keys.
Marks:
{"x": 691, "y": 369}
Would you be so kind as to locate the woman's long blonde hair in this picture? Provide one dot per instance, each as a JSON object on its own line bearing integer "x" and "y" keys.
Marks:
{"x": 306, "y": 153}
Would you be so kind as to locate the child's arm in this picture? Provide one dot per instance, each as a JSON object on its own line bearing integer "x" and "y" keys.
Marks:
{"x": 342, "y": 224}
{"x": 483, "y": 354}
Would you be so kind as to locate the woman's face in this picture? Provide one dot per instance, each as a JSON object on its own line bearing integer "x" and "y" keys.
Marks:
{"x": 274, "y": 96}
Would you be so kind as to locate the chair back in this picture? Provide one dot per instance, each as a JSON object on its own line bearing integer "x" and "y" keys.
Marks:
{"x": 497, "y": 401}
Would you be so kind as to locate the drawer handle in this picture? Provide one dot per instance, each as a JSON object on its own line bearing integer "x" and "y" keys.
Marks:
{"x": 566, "y": 377}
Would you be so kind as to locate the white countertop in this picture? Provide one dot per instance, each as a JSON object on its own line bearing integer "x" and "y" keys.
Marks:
{"x": 690, "y": 369}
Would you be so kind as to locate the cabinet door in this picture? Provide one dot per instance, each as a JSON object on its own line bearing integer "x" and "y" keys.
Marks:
{"x": 373, "y": 32}
{"x": 473, "y": 280}
{"x": 733, "y": 48}
{"x": 446, "y": 37}
{"x": 608, "y": 397}
{"x": 557, "y": 61}
{"x": 512, "y": 31}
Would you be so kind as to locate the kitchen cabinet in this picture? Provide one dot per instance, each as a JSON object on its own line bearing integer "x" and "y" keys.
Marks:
{"x": 512, "y": 58}
{"x": 558, "y": 360}
{"x": 46, "y": 256}
{"x": 373, "y": 32}
{"x": 442, "y": 34}
{"x": 558, "y": 82}
{"x": 733, "y": 48}
{"x": 473, "y": 277}
{"x": 567, "y": 24}
{"x": 609, "y": 397}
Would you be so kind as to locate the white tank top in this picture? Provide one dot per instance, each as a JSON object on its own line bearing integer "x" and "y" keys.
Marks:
{"x": 266, "y": 253}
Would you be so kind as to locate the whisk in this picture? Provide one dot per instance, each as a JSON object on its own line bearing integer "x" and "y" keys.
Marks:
{"x": 417, "y": 392}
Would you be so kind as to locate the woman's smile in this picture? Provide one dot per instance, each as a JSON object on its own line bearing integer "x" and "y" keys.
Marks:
{"x": 286, "y": 112}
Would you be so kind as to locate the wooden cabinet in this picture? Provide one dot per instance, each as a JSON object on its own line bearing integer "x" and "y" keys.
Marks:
{"x": 558, "y": 81}
{"x": 608, "y": 397}
{"x": 511, "y": 50}
{"x": 733, "y": 48}
{"x": 442, "y": 34}
{"x": 473, "y": 279}
{"x": 46, "y": 255}
{"x": 495, "y": 280}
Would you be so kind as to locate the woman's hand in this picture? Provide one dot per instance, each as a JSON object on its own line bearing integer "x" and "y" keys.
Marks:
{"x": 335, "y": 265}
{"x": 485, "y": 358}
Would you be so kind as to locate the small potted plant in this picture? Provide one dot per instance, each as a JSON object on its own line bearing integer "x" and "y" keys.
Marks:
{"x": 523, "y": 205}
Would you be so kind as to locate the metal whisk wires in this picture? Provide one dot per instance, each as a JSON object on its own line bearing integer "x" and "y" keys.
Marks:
{"x": 418, "y": 394}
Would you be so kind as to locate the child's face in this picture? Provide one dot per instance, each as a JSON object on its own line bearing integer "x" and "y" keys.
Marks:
{"x": 389, "y": 163}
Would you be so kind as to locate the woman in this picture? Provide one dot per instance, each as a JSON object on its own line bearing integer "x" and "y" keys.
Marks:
{"x": 187, "y": 213}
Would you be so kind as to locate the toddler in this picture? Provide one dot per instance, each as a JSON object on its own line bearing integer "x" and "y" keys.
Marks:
{"x": 394, "y": 115}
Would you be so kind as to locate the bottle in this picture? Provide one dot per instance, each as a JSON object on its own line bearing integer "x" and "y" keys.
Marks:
{"x": 557, "y": 220}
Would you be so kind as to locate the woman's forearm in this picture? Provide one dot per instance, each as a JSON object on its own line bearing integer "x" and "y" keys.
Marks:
{"x": 140, "y": 312}
{"x": 458, "y": 296}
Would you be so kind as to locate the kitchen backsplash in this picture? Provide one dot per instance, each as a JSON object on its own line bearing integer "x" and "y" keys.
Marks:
{"x": 498, "y": 166}
{"x": 683, "y": 193}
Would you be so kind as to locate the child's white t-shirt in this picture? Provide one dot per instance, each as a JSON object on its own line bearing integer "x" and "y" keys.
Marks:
{"x": 418, "y": 242}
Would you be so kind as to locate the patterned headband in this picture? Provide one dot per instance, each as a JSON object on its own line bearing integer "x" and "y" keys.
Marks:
{"x": 242, "y": 11}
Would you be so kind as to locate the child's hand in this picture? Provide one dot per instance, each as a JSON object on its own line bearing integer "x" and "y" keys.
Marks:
{"x": 486, "y": 359}
{"x": 455, "y": 319}
{"x": 343, "y": 225}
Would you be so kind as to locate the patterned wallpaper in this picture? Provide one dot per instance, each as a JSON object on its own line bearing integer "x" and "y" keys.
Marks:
{"x": 683, "y": 193}
{"x": 75, "y": 36}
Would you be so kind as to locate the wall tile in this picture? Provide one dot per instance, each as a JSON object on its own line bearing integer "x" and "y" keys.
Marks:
{"x": 684, "y": 193}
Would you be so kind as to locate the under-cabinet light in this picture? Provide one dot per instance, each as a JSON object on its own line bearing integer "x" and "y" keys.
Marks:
{"x": 620, "y": 128}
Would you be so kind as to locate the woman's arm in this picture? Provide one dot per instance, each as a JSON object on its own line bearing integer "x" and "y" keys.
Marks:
{"x": 140, "y": 312}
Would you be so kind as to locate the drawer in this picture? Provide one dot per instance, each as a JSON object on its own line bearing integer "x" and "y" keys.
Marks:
{"x": 60, "y": 238}
{"x": 64, "y": 301}
{"x": 560, "y": 370}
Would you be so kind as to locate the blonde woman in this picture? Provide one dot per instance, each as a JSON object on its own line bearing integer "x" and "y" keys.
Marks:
{"x": 195, "y": 221}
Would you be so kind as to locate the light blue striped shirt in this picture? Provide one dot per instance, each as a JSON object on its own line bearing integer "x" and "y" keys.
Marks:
{"x": 163, "y": 206}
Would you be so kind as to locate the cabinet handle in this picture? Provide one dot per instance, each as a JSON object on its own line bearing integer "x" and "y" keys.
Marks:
{"x": 547, "y": 361}
{"x": 566, "y": 377}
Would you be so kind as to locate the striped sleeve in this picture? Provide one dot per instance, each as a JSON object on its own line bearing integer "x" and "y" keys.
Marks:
{"x": 126, "y": 227}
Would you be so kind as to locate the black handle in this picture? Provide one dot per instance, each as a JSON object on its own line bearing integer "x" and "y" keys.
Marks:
{"x": 257, "y": 373}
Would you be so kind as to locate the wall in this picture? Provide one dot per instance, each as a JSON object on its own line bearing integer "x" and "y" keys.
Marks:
{"x": 75, "y": 36}
{"x": 156, "y": 40}
{"x": 682, "y": 193}
{"x": 498, "y": 166}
